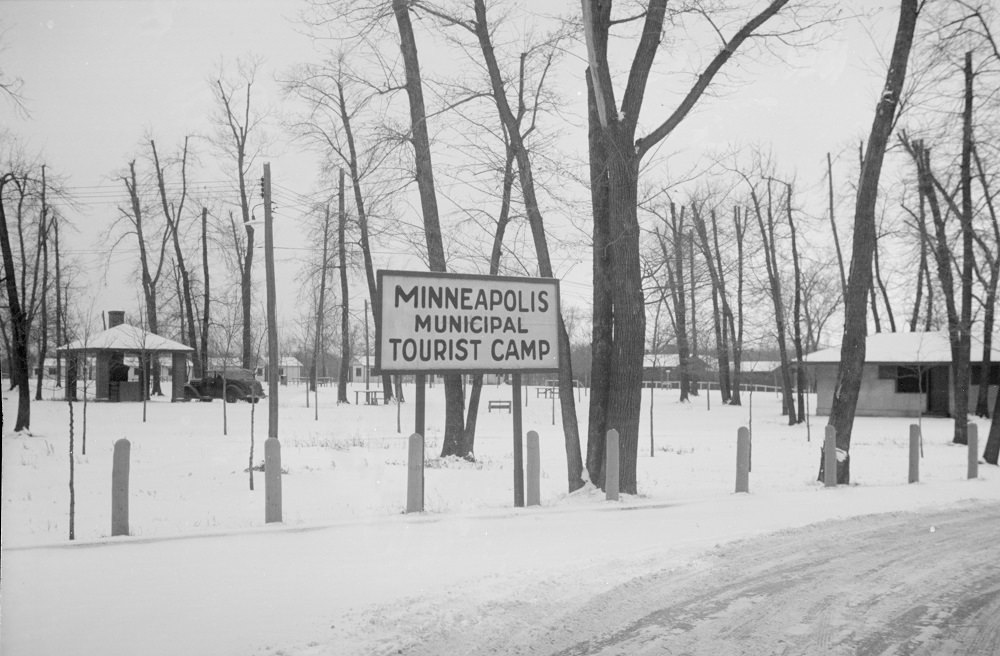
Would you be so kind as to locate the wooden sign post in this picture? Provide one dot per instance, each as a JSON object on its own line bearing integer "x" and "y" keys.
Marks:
{"x": 442, "y": 323}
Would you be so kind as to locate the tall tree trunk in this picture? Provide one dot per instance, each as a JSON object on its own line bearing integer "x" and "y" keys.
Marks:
{"x": 149, "y": 279}
{"x": 719, "y": 279}
{"x": 774, "y": 279}
{"x": 359, "y": 201}
{"x": 472, "y": 415}
{"x": 833, "y": 229}
{"x": 321, "y": 302}
{"x": 206, "y": 309}
{"x": 622, "y": 156}
{"x": 603, "y": 316}
{"x": 19, "y": 325}
{"x": 453, "y": 393}
{"x": 43, "y": 332}
{"x": 883, "y": 291}
{"x": 629, "y": 305}
{"x": 60, "y": 323}
{"x": 173, "y": 213}
{"x": 852, "y": 351}
{"x": 800, "y": 372}
{"x": 989, "y": 307}
{"x": 736, "y": 325}
{"x": 992, "y": 451}
{"x": 516, "y": 135}
{"x": 961, "y": 351}
{"x": 345, "y": 329}
{"x": 922, "y": 270}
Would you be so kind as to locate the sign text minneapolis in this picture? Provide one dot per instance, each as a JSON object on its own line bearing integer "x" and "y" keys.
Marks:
{"x": 445, "y": 322}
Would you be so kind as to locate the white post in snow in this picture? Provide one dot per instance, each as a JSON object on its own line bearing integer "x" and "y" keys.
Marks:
{"x": 914, "y": 453}
{"x": 973, "y": 436}
{"x": 743, "y": 460}
{"x": 534, "y": 470}
{"x": 415, "y": 475}
{"x": 611, "y": 466}
{"x": 119, "y": 487}
{"x": 830, "y": 457}
{"x": 272, "y": 479}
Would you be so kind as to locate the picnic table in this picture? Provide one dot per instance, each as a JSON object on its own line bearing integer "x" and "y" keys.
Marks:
{"x": 372, "y": 396}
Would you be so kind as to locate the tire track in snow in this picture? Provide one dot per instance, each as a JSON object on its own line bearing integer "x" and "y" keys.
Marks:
{"x": 875, "y": 585}
{"x": 866, "y": 586}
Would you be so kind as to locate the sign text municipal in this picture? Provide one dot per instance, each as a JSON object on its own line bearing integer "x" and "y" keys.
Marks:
{"x": 440, "y": 322}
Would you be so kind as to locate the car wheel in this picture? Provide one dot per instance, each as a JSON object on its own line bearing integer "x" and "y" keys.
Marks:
{"x": 232, "y": 395}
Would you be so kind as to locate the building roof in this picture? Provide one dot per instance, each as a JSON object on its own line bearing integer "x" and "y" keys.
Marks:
{"x": 760, "y": 366}
{"x": 918, "y": 348}
{"x": 124, "y": 337}
{"x": 669, "y": 360}
{"x": 289, "y": 361}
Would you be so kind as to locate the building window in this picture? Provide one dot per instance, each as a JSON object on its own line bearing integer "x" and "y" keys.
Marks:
{"x": 357, "y": 372}
{"x": 911, "y": 380}
{"x": 977, "y": 372}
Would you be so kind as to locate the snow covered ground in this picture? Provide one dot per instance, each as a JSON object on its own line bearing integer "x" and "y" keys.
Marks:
{"x": 347, "y": 572}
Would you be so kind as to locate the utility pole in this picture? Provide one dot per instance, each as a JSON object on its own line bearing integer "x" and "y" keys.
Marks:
{"x": 272, "y": 323}
{"x": 272, "y": 447}
{"x": 367, "y": 347}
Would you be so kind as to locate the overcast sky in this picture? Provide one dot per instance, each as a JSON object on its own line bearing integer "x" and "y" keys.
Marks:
{"x": 99, "y": 76}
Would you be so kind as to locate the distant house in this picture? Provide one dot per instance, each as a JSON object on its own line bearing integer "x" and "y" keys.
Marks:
{"x": 362, "y": 368}
{"x": 666, "y": 367}
{"x": 289, "y": 368}
{"x": 905, "y": 375}
{"x": 761, "y": 372}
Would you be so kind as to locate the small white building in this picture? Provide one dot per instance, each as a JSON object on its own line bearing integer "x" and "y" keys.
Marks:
{"x": 289, "y": 368}
{"x": 905, "y": 375}
{"x": 362, "y": 368}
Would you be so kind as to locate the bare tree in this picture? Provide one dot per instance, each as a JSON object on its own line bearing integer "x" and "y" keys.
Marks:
{"x": 239, "y": 127}
{"x": 852, "y": 358}
{"x": 44, "y": 223}
{"x": 345, "y": 331}
{"x": 331, "y": 122}
{"x": 518, "y": 118}
{"x": 19, "y": 191}
{"x": 420, "y": 139}
{"x": 173, "y": 211}
{"x": 616, "y": 153}
{"x": 152, "y": 245}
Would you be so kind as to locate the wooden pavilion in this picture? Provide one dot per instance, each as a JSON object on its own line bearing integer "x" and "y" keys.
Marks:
{"x": 109, "y": 349}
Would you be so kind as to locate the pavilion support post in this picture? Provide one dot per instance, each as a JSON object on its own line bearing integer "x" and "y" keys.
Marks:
{"x": 178, "y": 376}
{"x": 102, "y": 387}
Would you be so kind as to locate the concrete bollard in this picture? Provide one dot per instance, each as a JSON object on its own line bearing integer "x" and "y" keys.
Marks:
{"x": 534, "y": 471}
{"x": 973, "y": 435}
{"x": 830, "y": 457}
{"x": 914, "y": 453}
{"x": 611, "y": 466}
{"x": 743, "y": 460}
{"x": 415, "y": 475}
{"x": 272, "y": 480}
{"x": 119, "y": 487}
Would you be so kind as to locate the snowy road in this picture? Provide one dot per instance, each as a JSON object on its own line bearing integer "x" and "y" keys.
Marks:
{"x": 900, "y": 583}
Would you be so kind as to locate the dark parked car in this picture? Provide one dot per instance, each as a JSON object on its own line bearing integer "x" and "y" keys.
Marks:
{"x": 234, "y": 385}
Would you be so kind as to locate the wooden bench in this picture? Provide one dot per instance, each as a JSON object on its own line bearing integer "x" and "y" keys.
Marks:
{"x": 498, "y": 405}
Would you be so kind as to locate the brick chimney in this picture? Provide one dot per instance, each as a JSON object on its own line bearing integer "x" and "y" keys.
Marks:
{"x": 116, "y": 318}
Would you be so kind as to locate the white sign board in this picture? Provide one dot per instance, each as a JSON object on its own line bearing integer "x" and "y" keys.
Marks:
{"x": 440, "y": 322}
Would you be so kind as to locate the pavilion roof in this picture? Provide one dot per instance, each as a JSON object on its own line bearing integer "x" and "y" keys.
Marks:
{"x": 124, "y": 337}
